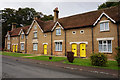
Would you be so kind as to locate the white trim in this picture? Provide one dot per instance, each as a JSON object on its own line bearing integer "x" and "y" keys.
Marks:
{"x": 22, "y": 42}
{"x": 14, "y": 44}
{"x": 34, "y": 31}
{"x": 109, "y": 38}
{"x": 32, "y": 25}
{"x": 79, "y": 42}
{"x": 104, "y": 21}
{"x": 81, "y": 32}
{"x": 56, "y": 24}
{"x": 20, "y": 31}
{"x": 58, "y": 40}
{"x": 73, "y": 31}
{"x": 101, "y": 16}
{"x": 45, "y": 43}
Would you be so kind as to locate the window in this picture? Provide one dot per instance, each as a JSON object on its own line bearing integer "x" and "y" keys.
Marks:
{"x": 105, "y": 46}
{"x": 45, "y": 35}
{"x": 22, "y": 46}
{"x": 73, "y": 32}
{"x": 35, "y": 34}
{"x": 22, "y": 36}
{"x": 104, "y": 26}
{"x": 8, "y": 46}
{"x": 35, "y": 27}
{"x": 8, "y": 37}
{"x": 58, "y": 46}
{"x": 58, "y": 31}
{"x": 81, "y": 31}
{"x": 35, "y": 46}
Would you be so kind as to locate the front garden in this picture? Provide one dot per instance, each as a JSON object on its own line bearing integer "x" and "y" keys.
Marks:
{"x": 77, "y": 61}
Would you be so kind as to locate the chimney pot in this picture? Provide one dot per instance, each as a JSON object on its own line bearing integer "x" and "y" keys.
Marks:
{"x": 56, "y": 11}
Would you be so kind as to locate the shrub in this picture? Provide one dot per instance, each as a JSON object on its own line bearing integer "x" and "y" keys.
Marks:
{"x": 98, "y": 59}
{"x": 70, "y": 56}
{"x": 117, "y": 56}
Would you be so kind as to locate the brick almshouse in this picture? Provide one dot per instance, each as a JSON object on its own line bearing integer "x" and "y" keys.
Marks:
{"x": 83, "y": 34}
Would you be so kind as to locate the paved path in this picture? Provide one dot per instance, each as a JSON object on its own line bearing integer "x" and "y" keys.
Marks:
{"x": 27, "y": 68}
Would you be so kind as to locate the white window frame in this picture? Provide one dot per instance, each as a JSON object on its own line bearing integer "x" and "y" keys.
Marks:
{"x": 103, "y": 22}
{"x": 22, "y": 46}
{"x": 9, "y": 37}
{"x": 81, "y": 32}
{"x": 45, "y": 35}
{"x": 58, "y": 46}
{"x": 34, "y": 34}
{"x": 59, "y": 31}
{"x": 8, "y": 47}
{"x": 102, "y": 51}
{"x": 22, "y": 36}
{"x": 73, "y": 32}
{"x": 35, "y": 46}
{"x": 35, "y": 27}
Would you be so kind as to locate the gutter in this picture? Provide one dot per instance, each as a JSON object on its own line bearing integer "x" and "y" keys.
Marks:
{"x": 118, "y": 34}
{"x": 65, "y": 42}
{"x": 92, "y": 40}
{"x": 51, "y": 44}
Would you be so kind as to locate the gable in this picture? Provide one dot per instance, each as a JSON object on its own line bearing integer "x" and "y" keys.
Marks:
{"x": 32, "y": 25}
{"x": 57, "y": 23}
{"x": 103, "y": 14}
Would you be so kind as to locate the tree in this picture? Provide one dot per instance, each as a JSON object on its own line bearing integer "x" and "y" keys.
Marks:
{"x": 108, "y": 4}
{"x": 22, "y": 16}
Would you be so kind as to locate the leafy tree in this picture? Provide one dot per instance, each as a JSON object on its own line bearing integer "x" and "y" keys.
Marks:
{"x": 108, "y": 4}
{"x": 22, "y": 16}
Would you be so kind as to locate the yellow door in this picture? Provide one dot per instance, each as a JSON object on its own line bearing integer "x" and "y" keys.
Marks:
{"x": 82, "y": 50}
{"x": 45, "y": 48}
{"x": 13, "y": 48}
{"x": 16, "y": 48}
{"x": 74, "y": 49}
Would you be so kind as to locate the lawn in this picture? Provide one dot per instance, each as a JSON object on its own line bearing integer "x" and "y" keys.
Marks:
{"x": 15, "y": 54}
{"x": 46, "y": 58}
{"x": 87, "y": 62}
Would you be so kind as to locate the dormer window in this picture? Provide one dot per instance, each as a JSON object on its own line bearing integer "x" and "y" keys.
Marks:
{"x": 82, "y": 31}
{"x": 104, "y": 26}
{"x": 35, "y": 27}
{"x": 22, "y": 36}
{"x": 58, "y": 31}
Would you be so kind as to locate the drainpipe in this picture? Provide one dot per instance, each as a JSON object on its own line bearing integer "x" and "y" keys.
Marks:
{"x": 65, "y": 42}
{"x": 92, "y": 41}
{"x": 19, "y": 43}
{"x": 118, "y": 34}
{"x": 51, "y": 44}
{"x": 26, "y": 44}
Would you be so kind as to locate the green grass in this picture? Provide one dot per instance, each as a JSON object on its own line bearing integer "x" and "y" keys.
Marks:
{"x": 46, "y": 58}
{"x": 87, "y": 62}
{"x": 15, "y": 54}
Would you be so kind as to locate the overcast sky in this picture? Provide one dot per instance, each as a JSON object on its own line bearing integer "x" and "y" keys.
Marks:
{"x": 65, "y": 8}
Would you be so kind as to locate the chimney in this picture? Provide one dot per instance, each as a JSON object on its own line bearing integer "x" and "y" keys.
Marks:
{"x": 13, "y": 26}
{"x": 56, "y": 14}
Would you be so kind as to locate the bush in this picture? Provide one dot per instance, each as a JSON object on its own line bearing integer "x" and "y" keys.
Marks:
{"x": 117, "y": 56}
{"x": 98, "y": 59}
{"x": 70, "y": 56}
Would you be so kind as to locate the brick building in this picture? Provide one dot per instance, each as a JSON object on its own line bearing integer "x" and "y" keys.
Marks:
{"x": 83, "y": 34}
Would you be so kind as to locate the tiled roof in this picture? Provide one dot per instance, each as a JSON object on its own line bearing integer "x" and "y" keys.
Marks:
{"x": 16, "y": 31}
{"x": 75, "y": 21}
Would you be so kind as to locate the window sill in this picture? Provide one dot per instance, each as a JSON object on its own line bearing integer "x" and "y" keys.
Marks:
{"x": 58, "y": 34}
{"x": 58, "y": 51}
{"x": 105, "y": 52}
{"x": 105, "y": 31}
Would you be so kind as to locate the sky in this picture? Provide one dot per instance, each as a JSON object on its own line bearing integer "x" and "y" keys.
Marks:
{"x": 66, "y": 8}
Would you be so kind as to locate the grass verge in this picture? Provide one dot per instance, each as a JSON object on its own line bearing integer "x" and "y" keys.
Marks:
{"x": 87, "y": 62}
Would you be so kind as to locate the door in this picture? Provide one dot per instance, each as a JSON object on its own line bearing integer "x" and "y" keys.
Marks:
{"x": 16, "y": 48}
{"x": 45, "y": 48}
{"x": 13, "y": 48}
{"x": 74, "y": 49}
{"x": 82, "y": 50}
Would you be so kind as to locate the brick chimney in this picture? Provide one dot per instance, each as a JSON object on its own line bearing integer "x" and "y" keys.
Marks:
{"x": 56, "y": 14}
{"x": 13, "y": 26}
